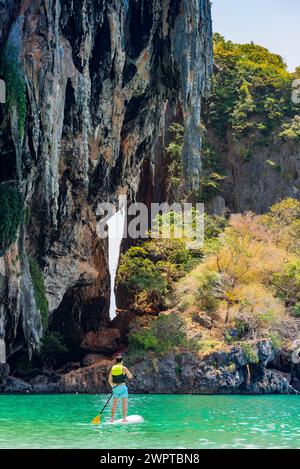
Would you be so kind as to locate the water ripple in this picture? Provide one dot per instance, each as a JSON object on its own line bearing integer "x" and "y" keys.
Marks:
{"x": 171, "y": 421}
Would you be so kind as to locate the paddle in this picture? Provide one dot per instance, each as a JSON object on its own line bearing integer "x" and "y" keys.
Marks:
{"x": 96, "y": 420}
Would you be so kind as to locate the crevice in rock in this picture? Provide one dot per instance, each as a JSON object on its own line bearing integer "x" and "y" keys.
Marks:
{"x": 140, "y": 24}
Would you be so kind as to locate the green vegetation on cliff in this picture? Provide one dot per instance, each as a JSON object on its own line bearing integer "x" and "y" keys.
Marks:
{"x": 52, "y": 348}
{"x": 212, "y": 173}
{"x": 11, "y": 212}
{"x": 250, "y": 286}
{"x": 244, "y": 287}
{"x": 250, "y": 111}
{"x": 164, "y": 334}
{"x": 15, "y": 84}
{"x": 149, "y": 271}
{"x": 252, "y": 92}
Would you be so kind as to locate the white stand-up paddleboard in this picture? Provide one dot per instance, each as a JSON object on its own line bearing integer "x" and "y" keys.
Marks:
{"x": 130, "y": 419}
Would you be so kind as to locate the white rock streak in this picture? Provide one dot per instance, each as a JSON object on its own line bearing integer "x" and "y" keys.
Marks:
{"x": 115, "y": 234}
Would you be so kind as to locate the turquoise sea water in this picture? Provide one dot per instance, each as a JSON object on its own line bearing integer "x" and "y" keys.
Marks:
{"x": 171, "y": 421}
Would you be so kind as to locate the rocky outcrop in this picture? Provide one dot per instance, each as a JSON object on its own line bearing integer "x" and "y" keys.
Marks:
{"x": 92, "y": 358}
{"x": 91, "y": 379}
{"x": 231, "y": 371}
{"x": 94, "y": 81}
{"x": 16, "y": 386}
{"x": 4, "y": 371}
{"x": 228, "y": 372}
{"x": 8, "y": 10}
{"x": 106, "y": 340}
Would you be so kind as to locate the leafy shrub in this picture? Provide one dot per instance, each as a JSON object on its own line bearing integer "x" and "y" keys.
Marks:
{"x": 251, "y": 92}
{"x": 256, "y": 310}
{"x": 208, "y": 290}
{"x": 287, "y": 282}
{"x": 283, "y": 223}
{"x": 296, "y": 310}
{"x": 287, "y": 211}
{"x": 276, "y": 341}
{"x": 147, "y": 272}
{"x": 200, "y": 288}
{"x": 291, "y": 130}
{"x": 207, "y": 345}
{"x": 52, "y": 347}
{"x": 214, "y": 225}
{"x": 246, "y": 154}
{"x": 171, "y": 251}
{"x": 11, "y": 210}
{"x": 210, "y": 185}
{"x": 212, "y": 174}
{"x": 15, "y": 83}
{"x": 39, "y": 290}
{"x": 250, "y": 353}
{"x": 164, "y": 333}
{"x": 174, "y": 151}
{"x": 144, "y": 339}
{"x": 244, "y": 107}
{"x": 274, "y": 165}
{"x": 247, "y": 252}
{"x": 139, "y": 275}
{"x": 235, "y": 283}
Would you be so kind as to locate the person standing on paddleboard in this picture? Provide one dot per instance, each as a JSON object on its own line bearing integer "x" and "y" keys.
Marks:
{"x": 117, "y": 380}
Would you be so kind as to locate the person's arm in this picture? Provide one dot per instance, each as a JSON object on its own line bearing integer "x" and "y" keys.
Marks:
{"x": 110, "y": 380}
{"x": 127, "y": 372}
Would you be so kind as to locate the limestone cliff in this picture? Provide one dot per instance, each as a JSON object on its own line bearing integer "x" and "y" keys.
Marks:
{"x": 89, "y": 83}
{"x": 252, "y": 123}
{"x": 270, "y": 174}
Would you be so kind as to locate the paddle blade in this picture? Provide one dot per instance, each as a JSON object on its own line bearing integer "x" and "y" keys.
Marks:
{"x": 96, "y": 420}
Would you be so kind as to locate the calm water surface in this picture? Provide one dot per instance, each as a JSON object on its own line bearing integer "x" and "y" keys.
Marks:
{"x": 172, "y": 421}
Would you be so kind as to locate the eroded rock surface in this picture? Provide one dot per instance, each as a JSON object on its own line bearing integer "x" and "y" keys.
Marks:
{"x": 95, "y": 80}
{"x": 224, "y": 372}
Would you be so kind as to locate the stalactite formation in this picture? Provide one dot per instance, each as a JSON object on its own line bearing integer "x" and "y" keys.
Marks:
{"x": 94, "y": 79}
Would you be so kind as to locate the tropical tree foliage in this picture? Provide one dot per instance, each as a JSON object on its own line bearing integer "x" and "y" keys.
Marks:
{"x": 251, "y": 91}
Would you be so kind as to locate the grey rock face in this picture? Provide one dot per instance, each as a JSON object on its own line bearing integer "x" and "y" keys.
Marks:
{"x": 228, "y": 372}
{"x": 265, "y": 351}
{"x": 4, "y": 371}
{"x": 222, "y": 372}
{"x": 91, "y": 359}
{"x": 191, "y": 41}
{"x": 8, "y": 9}
{"x": 271, "y": 174}
{"x": 99, "y": 76}
{"x": 31, "y": 317}
{"x": 16, "y": 385}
